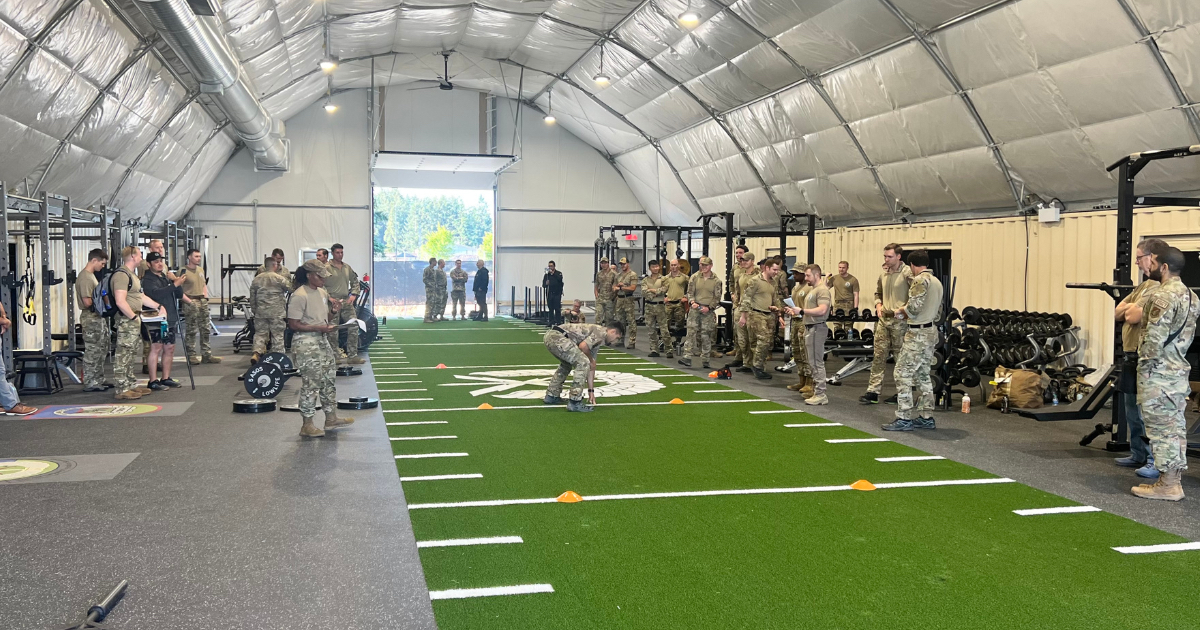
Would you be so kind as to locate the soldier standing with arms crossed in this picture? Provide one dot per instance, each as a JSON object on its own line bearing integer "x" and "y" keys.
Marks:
{"x": 845, "y": 293}
{"x": 308, "y": 317}
{"x": 1170, "y": 313}
{"x": 891, "y": 293}
{"x": 606, "y": 278}
{"x": 760, "y": 304}
{"x": 922, "y": 311}
{"x": 805, "y": 384}
{"x": 625, "y": 286}
{"x": 96, "y": 334}
{"x": 429, "y": 279}
{"x": 703, "y": 296}
{"x": 676, "y": 303}
{"x": 268, "y": 297}
{"x": 458, "y": 295}
{"x": 343, "y": 289}
{"x": 654, "y": 290}
{"x": 1140, "y": 456}
{"x": 745, "y": 352}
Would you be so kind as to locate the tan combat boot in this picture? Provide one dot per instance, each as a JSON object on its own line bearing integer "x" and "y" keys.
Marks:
{"x": 1167, "y": 488}
{"x": 809, "y": 387}
{"x": 798, "y": 385}
{"x": 356, "y": 360}
{"x": 333, "y": 422}
{"x": 128, "y": 394}
{"x": 308, "y": 429}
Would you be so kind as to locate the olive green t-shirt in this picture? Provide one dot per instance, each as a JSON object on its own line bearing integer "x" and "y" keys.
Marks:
{"x": 309, "y": 306}
{"x": 843, "y": 288}
{"x": 125, "y": 280}
{"x": 814, "y": 298}
{"x": 85, "y": 285}
{"x": 193, "y": 282}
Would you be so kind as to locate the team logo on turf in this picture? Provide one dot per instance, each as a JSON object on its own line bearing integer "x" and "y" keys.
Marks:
{"x": 531, "y": 384}
{"x": 13, "y": 469}
{"x": 105, "y": 411}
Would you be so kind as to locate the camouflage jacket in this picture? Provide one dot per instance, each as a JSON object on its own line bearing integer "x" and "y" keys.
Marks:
{"x": 459, "y": 278}
{"x": 268, "y": 295}
{"x": 1170, "y": 314}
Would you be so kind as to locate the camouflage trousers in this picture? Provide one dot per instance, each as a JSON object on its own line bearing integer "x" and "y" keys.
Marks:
{"x": 605, "y": 311}
{"x": 889, "y": 338}
{"x": 743, "y": 348}
{"x": 759, "y": 336}
{"x": 347, "y": 313}
{"x": 570, "y": 360}
{"x": 442, "y": 298}
{"x": 814, "y": 344}
{"x": 430, "y": 303}
{"x": 458, "y": 302}
{"x": 128, "y": 353}
{"x": 268, "y": 334}
{"x": 198, "y": 325}
{"x": 846, "y": 307}
{"x": 317, "y": 368}
{"x": 627, "y": 314}
{"x": 799, "y": 350}
{"x": 700, "y": 330}
{"x": 656, "y": 321}
{"x": 913, "y": 362}
{"x": 96, "y": 341}
{"x": 1162, "y": 395}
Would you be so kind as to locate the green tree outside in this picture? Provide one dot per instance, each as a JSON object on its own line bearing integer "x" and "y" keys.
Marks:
{"x": 438, "y": 243}
{"x": 404, "y": 223}
{"x": 485, "y": 250}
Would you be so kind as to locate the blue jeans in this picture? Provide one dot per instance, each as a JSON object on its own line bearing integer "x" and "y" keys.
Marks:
{"x": 1139, "y": 448}
{"x": 8, "y": 393}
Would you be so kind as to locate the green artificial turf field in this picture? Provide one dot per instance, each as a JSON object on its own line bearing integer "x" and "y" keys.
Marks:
{"x": 767, "y": 533}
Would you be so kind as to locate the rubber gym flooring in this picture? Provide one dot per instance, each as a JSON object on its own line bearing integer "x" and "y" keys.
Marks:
{"x": 725, "y": 511}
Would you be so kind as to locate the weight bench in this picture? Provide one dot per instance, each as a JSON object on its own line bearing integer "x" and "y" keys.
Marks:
{"x": 38, "y": 373}
{"x": 858, "y": 354}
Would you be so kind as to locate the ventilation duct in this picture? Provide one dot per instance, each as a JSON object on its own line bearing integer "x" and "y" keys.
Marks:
{"x": 202, "y": 47}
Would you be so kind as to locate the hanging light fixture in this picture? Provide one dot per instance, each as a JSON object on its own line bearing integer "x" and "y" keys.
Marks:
{"x": 549, "y": 117}
{"x": 601, "y": 78}
{"x": 329, "y": 106}
{"x": 329, "y": 64}
{"x": 689, "y": 17}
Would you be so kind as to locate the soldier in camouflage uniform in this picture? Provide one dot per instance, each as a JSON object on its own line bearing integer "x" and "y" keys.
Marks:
{"x": 575, "y": 314}
{"x": 922, "y": 310}
{"x": 676, "y": 303}
{"x": 1169, "y": 314}
{"x": 197, "y": 321}
{"x": 625, "y": 286}
{"x": 268, "y": 302}
{"x": 605, "y": 296}
{"x": 440, "y": 284}
{"x": 891, "y": 293}
{"x": 760, "y": 304}
{"x": 96, "y": 332}
{"x": 741, "y": 337}
{"x": 308, "y": 317}
{"x": 654, "y": 290}
{"x": 129, "y": 300}
{"x": 799, "y": 351}
{"x": 429, "y": 278}
{"x": 703, "y": 296}
{"x": 343, "y": 289}
{"x": 574, "y": 345}
{"x": 782, "y": 290}
{"x": 277, "y": 254}
{"x": 458, "y": 294}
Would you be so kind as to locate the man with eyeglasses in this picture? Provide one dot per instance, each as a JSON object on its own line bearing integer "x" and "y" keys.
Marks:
{"x": 1140, "y": 456}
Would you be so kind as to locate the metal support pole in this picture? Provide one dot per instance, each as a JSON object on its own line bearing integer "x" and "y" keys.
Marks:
{"x": 44, "y": 245}
{"x": 4, "y": 273}
{"x": 645, "y": 260}
{"x": 812, "y": 238}
{"x": 513, "y": 302}
{"x": 69, "y": 254}
{"x": 784, "y": 220}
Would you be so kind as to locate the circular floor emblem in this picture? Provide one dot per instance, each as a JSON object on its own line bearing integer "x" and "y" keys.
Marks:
{"x": 11, "y": 469}
{"x": 106, "y": 411}
{"x": 531, "y": 384}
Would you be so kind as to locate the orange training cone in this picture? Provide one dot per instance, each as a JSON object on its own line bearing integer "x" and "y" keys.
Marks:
{"x": 485, "y": 406}
{"x": 570, "y": 496}
{"x": 712, "y": 374}
{"x": 863, "y": 484}
{"x": 440, "y": 366}
{"x": 676, "y": 401}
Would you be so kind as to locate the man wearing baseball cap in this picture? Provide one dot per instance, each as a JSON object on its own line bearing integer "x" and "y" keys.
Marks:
{"x": 625, "y": 286}
{"x": 703, "y": 296}
{"x": 605, "y": 279}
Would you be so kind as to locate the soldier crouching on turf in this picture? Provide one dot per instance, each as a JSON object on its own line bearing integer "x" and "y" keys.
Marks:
{"x": 574, "y": 345}
{"x": 308, "y": 316}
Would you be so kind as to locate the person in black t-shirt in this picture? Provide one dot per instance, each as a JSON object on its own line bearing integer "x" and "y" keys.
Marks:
{"x": 161, "y": 335}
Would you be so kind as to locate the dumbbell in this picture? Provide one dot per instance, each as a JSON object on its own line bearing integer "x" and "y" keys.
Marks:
{"x": 840, "y": 335}
{"x": 867, "y": 335}
{"x": 971, "y": 315}
{"x": 868, "y": 314}
{"x": 839, "y": 314}
{"x": 953, "y": 315}
{"x": 853, "y": 314}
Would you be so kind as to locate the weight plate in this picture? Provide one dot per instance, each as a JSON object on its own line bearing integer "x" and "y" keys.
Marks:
{"x": 264, "y": 380}
{"x": 295, "y": 407}
{"x": 969, "y": 377}
{"x": 255, "y": 405}
{"x": 358, "y": 403}
{"x": 971, "y": 315}
{"x": 348, "y": 371}
{"x": 282, "y": 360}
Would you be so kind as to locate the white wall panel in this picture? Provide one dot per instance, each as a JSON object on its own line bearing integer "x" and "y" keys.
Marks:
{"x": 431, "y": 120}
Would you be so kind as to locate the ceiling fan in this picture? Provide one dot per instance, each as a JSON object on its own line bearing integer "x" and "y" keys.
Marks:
{"x": 444, "y": 78}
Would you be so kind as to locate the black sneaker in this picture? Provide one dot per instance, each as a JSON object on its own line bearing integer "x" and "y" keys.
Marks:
{"x": 744, "y": 369}
{"x": 891, "y": 400}
{"x": 898, "y": 425}
{"x": 869, "y": 398}
{"x": 100, "y": 388}
{"x": 157, "y": 386}
{"x": 737, "y": 363}
{"x": 170, "y": 382}
{"x": 924, "y": 423}
{"x": 652, "y": 354}
{"x": 761, "y": 375}
{"x": 685, "y": 362}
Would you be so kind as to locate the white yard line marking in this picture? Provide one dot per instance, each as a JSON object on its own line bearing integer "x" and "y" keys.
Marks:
{"x": 391, "y": 375}
{"x": 425, "y": 437}
{"x": 405, "y": 399}
{"x": 813, "y": 424}
{"x": 403, "y": 390}
{"x": 397, "y": 383}
{"x": 915, "y": 458}
{"x": 430, "y": 455}
{"x": 658, "y": 369}
{"x": 714, "y": 493}
{"x": 519, "y": 589}
{"x": 479, "y": 367}
{"x": 468, "y": 542}
{"x": 1071, "y": 509}
{"x": 707, "y": 391}
{"x": 373, "y": 362}
{"x": 1188, "y": 546}
{"x": 857, "y": 440}
{"x": 628, "y": 404}
{"x": 443, "y": 477}
{"x": 779, "y": 411}
{"x": 623, "y": 363}
{"x": 410, "y": 424}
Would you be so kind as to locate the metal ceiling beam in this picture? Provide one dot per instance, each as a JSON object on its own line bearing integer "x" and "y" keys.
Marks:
{"x": 35, "y": 42}
{"x": 1186, "y": 105}
{"x": 162, "y": 129}
{"x": 217, "y": 129}
{"x": 933, "y": 52}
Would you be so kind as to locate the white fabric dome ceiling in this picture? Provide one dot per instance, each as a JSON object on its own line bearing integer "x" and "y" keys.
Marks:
{"x": 839, "y": 107}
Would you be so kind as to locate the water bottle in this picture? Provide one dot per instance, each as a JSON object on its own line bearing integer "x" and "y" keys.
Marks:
{"x": 966, "y": 403}
{"x": 1054, "y": 400}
